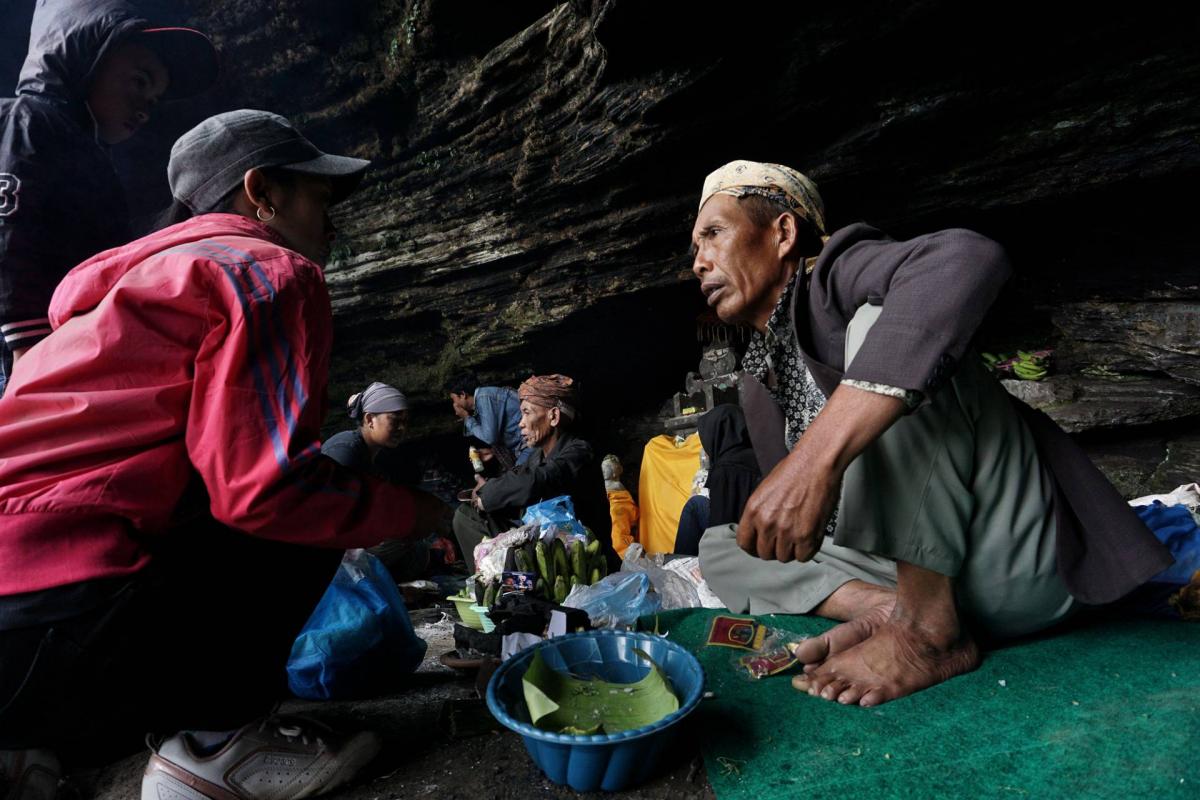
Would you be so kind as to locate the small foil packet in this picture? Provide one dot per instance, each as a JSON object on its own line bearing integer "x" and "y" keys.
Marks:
{"x": 771, "y": 649}
{"x": 768, "y": 662}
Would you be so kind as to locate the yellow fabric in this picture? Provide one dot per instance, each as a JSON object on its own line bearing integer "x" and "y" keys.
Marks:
{"x": 624, "y": 513}
{"x": 664, "y": 485}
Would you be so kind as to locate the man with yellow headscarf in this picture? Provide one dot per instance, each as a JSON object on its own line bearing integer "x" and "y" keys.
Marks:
{"x": 910, "y": 496}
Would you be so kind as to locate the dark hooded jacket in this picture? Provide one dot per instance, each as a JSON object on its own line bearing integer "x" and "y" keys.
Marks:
{"x": 60, "y": 199}
{"x": 733, "y": 472}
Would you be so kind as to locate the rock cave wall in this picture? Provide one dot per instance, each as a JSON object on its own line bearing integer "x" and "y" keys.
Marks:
{"x": 537, "y": 165}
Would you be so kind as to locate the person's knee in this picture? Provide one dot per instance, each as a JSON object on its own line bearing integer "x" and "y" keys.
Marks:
{"x": 724, "y": 567}
{"x": 717, "y": 544}
{"x": 469, "y": 530}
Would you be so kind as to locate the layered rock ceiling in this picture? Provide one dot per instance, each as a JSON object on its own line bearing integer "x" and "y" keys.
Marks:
{"x": 537, "y": 167}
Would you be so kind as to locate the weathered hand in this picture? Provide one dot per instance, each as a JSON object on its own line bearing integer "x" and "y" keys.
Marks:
{"x": 785, "y": 518}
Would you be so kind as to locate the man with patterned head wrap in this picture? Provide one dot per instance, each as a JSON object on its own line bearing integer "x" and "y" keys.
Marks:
{"x": 919, "y": 502}
{"x": 561, "y": 463}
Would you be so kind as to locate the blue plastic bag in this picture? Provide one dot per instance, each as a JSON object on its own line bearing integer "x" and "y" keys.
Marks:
{"x": 1174, "y": 527}
{"x": 556, "y": 515}
{"x": 359, "y": 640}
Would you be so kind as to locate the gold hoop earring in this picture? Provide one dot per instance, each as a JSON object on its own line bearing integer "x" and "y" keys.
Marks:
{"x": 258, "y": 212}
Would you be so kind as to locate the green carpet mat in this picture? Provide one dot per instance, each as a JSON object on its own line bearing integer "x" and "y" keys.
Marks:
{"x": 1109, "y": 710}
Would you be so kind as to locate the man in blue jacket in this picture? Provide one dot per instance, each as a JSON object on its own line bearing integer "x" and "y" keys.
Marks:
{"x": 94, "y": 73}
{"x": 491, "y": 414}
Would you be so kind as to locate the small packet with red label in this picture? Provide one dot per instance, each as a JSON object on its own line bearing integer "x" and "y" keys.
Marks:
{"x": 768, "y": 662}
{"x": 745, "y": 634}
{"x": 772, "y": 648}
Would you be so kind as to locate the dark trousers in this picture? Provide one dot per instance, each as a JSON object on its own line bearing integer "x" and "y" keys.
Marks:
{"x": 198, "y": 640}
{"x": 472, "y": 526}
{"x": 693, "y": 520}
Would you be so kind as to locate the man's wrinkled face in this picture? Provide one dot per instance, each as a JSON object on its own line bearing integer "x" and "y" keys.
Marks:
{"x": 127, "y": 85}
{"x": 537, "y": 423}
{"x": 737, "y": 262}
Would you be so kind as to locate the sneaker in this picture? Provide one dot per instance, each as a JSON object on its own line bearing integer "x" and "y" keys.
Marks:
{"x": 29, "y": 774}
{"x": 280, "y": 758}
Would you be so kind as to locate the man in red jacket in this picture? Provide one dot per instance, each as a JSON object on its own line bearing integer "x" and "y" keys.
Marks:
{"x": 167, "y": 521}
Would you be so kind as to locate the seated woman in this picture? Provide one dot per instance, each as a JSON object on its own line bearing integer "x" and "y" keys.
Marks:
{"x": 167, "y": 523}
{"x": 381, "y": 412}
{"x": 733, "y": 475}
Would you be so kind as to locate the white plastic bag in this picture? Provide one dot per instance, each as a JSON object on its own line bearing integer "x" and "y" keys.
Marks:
{"x": 675, "y": 591}
{"x": 490, "y": 554}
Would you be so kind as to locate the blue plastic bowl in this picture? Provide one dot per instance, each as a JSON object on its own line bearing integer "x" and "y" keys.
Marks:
{"x": 603, "y": 761}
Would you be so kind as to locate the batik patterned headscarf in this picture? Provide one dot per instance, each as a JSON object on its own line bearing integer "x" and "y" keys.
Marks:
{"x": 776, "y": 182}
{"x": 551, "y": 391}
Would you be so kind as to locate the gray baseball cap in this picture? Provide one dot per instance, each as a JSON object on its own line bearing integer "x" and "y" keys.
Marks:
{"x": 210, "y": 160}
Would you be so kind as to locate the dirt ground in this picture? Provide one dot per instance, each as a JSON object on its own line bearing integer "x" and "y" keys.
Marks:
{"x": 426, "y": 755}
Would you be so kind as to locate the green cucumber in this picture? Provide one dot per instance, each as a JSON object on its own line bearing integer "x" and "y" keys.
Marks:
{"x": 545, "y": 564}
{"x": 561, "y": 567}
{"x": 578, "y": 568}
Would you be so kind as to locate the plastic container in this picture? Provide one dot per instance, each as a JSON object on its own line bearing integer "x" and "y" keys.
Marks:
{"x": 612, "y": 761}
{"x": 485, "y": 621}
{"x": 466, "y": 611}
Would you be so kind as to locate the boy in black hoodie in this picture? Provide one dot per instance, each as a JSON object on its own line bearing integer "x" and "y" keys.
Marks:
{"x": 94, "y": 72}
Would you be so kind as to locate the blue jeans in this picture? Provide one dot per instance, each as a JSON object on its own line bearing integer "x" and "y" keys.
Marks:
{"x": 5, "y": 367}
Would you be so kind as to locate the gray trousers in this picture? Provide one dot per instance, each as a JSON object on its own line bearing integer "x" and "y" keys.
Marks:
{"x": 955, "y": 487}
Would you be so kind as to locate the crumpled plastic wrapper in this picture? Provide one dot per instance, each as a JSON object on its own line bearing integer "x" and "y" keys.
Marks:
{"x": 490, "y": 554}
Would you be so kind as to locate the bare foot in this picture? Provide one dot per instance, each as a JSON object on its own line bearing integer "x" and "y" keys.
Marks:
{"x": 918, "y": 644}
{"x": 898, "y": 658}
{"x": 853, "y": 599}
{"x": 811, "y": 652}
